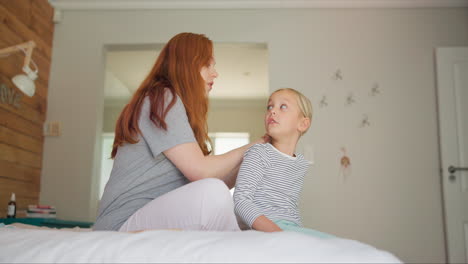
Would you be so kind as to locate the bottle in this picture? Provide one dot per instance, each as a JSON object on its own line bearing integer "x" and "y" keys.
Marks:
{"x": 12, "y": 207}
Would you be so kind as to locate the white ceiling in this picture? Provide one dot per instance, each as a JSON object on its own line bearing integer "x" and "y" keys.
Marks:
{"x": 215, "y": 4}
{"x": 242, "y": 69}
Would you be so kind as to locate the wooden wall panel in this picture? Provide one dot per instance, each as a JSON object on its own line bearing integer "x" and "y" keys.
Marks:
{"x": 11, "y": 21}
{"x": 15, "y": 171}
{"x": 21, "y": 9}
{"x": 21, "y": 127}
{"x": 20, "y": 156}
{"x": 41, "y": 21}
{"x": 24, "y": 142}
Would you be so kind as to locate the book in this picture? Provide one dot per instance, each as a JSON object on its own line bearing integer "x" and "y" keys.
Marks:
{"x": 34, "y": 215}
{"x": 41, "y": 211}
{"x": 46, "y": 207}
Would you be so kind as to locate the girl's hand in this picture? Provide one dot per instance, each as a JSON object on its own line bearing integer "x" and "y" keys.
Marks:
{"x": 263, "y": 223}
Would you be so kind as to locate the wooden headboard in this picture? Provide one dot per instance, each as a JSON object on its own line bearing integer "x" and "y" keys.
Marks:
{"x": 21, "y": 125}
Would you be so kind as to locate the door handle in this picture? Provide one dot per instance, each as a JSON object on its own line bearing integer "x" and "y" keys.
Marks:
{"x": 453, "y": 169}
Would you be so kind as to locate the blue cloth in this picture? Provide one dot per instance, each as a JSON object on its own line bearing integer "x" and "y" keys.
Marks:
{"x": 2, "y": 225}
{"x": 291, "y": 226}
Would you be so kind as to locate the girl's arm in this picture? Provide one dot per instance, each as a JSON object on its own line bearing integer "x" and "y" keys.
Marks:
{"x": 250, "y": 179}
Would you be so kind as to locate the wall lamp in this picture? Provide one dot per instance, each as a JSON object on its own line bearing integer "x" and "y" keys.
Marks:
{"x": 25, "y": 82}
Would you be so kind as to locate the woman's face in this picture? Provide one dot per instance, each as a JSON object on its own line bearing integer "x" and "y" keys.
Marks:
{"x": 209, "y": 73}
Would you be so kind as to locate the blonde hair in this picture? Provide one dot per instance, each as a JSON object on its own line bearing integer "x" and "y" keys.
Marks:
{"x": 302, "y": 101}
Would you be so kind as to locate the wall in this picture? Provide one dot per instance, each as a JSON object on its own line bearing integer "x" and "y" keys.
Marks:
{"x": 392, "y": 199}
{"x": 237, "y": 115}
{"x": 21, "y": 136}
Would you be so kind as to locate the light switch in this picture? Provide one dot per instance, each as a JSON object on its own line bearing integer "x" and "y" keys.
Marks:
{"x": 53, "y": 129}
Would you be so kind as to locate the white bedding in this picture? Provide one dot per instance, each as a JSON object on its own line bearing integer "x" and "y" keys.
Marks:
{"x": 49, "y": 245}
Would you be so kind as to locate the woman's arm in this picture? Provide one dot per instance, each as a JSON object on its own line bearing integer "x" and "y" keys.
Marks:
{"x": 179, "y": 145}
{"x": 232, "y": 178}
{"x": 189, "y": 159}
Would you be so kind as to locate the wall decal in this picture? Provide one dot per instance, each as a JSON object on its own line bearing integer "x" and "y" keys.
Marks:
{"x": 345, "y": 165}
{"x": 365, "y": 121}
{"x": 337, "y": 75}
{"x": 9, "y": 96}
{"x": 350, "y": 99}
{"x": 323, "y": 102}
{"x": 374, "y": 90}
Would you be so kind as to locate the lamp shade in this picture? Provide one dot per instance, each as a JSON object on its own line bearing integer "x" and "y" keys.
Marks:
{"x": 25, "y": 84}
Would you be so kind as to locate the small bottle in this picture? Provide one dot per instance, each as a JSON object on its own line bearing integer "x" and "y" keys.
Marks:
{"x": 12, "y": 207}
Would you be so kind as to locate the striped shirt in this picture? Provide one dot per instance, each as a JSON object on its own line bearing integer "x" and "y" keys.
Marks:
{"x": 269, "y": 183}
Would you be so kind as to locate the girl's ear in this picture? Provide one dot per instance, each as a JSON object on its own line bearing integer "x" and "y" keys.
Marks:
{"x": 304, "y": 124}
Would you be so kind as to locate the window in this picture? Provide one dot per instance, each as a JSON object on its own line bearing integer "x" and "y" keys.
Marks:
{"x": 225, "y": 142}
{"x": 106, "y": 161}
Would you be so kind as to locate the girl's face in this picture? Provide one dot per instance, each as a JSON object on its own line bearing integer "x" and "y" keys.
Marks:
{"x": 283, "y": 117}
{"x": 209, "y": 73}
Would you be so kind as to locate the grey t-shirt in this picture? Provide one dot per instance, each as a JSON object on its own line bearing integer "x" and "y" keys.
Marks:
{"x": 141, "y": 172}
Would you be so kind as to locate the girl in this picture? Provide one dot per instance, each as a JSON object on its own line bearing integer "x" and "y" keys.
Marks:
{"x": 163, "y": 176}
{"x": 271, "y": 176}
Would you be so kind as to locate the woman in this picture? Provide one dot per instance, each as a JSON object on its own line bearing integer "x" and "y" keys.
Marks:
{"x": 163, "y": 176}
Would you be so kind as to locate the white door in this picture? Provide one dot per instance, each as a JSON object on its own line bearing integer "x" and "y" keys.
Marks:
{"x": 452, "y": 89}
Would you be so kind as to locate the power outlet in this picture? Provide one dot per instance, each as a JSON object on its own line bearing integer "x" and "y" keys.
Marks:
{"x": 53, "y": 129}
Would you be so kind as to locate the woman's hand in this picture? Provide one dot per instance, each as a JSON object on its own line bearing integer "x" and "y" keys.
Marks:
{"x": 264, "y": 139}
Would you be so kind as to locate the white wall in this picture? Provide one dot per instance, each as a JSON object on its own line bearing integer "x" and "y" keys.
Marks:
{"x": 110, "y": 116}
{"x": 392, "y": 199}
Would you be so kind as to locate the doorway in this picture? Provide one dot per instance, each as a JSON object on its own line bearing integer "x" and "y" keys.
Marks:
{"x": 237, "y": 101}
{"x": 452, "y": 96}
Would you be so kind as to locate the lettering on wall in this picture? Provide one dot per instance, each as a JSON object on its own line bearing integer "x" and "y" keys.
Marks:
{"x": 9, "y": 96}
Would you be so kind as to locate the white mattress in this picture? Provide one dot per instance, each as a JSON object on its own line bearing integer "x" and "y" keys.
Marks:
{"x": 69, "y": 246}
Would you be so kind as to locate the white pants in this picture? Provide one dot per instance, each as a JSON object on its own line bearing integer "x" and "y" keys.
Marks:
{"x": 201, "y": 205}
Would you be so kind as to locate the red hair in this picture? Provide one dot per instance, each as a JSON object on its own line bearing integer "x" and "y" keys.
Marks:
{"x": 177, "y": 69}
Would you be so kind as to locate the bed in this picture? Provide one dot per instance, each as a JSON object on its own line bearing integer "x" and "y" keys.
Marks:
{"x": 23, "y": 244}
